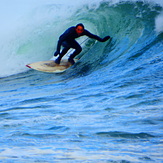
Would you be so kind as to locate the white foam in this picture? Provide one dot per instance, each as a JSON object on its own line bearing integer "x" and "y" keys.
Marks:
{"x": 159, "y": 23}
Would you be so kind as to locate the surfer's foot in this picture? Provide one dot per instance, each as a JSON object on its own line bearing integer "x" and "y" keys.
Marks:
{"x": 71, "y": 61}
{"x": 57, "y": 61}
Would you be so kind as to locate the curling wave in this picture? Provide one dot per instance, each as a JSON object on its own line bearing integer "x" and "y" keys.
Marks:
{"x": 134, "y": 26}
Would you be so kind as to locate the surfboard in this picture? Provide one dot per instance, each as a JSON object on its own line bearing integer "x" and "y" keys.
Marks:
{"x": 50, "y": 66}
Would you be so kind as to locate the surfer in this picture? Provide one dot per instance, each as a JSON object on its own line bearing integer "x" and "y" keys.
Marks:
{"x": 67, "y": 40}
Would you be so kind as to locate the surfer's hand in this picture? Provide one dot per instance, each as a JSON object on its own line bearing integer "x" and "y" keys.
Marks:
{"x": 105, "y": 38}
{"x": 56, "y": 53}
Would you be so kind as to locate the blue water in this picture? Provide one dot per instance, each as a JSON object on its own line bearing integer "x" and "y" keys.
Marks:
{"x": 105, "y": 108}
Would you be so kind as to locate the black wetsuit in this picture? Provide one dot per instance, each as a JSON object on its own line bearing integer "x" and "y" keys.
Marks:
{"x": 67, "y": 40}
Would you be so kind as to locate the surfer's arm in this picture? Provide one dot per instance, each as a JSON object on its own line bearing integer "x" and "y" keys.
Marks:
{"x": 89, "y": 34}
{"x": 58, "y": 48}
{"x": 60, "y": 41}
{"x": 59, "y": 45}
{"x": 62, "y": 38}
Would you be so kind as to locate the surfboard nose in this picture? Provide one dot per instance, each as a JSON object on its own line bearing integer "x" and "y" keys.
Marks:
{"x": 28, "y": 66}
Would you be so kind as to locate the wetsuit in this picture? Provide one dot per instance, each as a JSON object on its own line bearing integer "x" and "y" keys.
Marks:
{"x": 67, "y": 40}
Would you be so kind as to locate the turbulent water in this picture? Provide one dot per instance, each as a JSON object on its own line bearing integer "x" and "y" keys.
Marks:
{"x": 105, "y": 108}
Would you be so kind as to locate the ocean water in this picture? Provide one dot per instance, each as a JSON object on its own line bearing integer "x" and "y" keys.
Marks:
{"x": 106, "y": 108}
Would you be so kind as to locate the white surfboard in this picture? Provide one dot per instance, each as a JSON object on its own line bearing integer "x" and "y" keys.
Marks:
{"x": 50, "y": 66}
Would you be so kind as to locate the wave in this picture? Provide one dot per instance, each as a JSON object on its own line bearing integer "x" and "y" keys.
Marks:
{"x": 135, "y": 26}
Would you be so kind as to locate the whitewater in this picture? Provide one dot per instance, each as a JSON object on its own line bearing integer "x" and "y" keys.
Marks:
{"x": 105, "y": 108}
